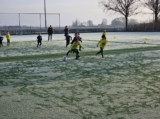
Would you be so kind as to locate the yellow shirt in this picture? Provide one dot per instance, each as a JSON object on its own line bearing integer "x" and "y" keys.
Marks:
{"x": 8, "y": 36}
{"x": 103, "y": 43}
{"x": 75, "y": 45}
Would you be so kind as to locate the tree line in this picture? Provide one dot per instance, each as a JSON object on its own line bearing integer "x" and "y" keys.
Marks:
{"x": 119, "y": 22}
{"x": 89, "y": 23}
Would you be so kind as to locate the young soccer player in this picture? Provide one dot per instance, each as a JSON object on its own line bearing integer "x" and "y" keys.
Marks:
{"x": 1, "y": 39}
{"x": 8, "y": 37}
{"x": 74, "y": 48}
{"x": 77, "y": 36}
{"x": 74, "y": 39}
{"x": 103, "y": 42}
{"x": 39, "y": 40}
{"x": 104, "y": 34}
{"x": 68, "y": 38}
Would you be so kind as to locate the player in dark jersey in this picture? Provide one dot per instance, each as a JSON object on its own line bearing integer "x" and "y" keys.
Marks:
{"x": 68, "y": 38}
{"x": 39, "y": 40}
{"x": 1, "y": 39}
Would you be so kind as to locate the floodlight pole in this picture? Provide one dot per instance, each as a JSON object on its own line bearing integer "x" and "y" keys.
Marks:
{"x": 153, "y": 21}
{"x": 20, "y": 24}
{"x": 40, "y": 20}
{"x": 45, "y": 15}
{"x": 59, "y": 21}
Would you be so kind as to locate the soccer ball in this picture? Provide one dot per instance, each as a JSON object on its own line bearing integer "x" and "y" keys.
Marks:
{"x": 64, "y": 58}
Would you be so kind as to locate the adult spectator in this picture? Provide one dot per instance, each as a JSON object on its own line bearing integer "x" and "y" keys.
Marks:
{"x": 66, "y": 31}
{"x": 50, "y": 32}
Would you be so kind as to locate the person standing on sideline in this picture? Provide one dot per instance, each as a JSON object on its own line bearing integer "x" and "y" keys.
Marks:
{"x": 103, "y": 42}
{"x": 68, "y": 38}
{"x": 66, "y": 31}
{"x": 8, "y": 37}
{"x": 39, "y": 40}
{"x": 1, "y": 39}
{"x": 50, "y": 32}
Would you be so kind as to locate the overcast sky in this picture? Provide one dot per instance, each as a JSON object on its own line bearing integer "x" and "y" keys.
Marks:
{"x": 70, "y": 10}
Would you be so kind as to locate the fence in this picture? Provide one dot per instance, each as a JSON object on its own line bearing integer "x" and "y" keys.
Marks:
{"x": 25, "y": 22}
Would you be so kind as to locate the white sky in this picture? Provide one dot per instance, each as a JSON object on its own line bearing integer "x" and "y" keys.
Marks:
{"x": 70, "y": 10}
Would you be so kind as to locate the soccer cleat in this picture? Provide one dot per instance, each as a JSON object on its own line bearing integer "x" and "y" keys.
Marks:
{"x": 77, "y": 58}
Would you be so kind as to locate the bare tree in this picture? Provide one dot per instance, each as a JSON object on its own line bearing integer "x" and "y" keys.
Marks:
{"x": 126, "y": 8}
{"x": 154, "y": 6}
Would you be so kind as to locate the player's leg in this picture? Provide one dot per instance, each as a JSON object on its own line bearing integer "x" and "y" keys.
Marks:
{"x": 67, "y": 42}
{"x": 98, "y": 52}
{"x": 51, "y": 36}
{"x": 102, "y": 52}
{"x": 7, "y": 42}
{"x": 1, "y": 44}
{"x": 48, "y": 36}
{"x": 37, "y": 43}
{"x": 68, "y": 52}
{"x": 40, "y": 43}
{"x": 77, "y": 53}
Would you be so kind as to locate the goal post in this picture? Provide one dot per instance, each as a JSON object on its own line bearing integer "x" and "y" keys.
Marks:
{"x": 21, "y": 21}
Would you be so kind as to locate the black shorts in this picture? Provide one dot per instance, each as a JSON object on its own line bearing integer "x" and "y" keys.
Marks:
{"x": 39, "y": 41}
{"x": 8, "y": 40}
{"x": 67, "y": 41}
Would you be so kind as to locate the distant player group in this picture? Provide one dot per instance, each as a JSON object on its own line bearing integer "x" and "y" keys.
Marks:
{"x": 75, "y": 44}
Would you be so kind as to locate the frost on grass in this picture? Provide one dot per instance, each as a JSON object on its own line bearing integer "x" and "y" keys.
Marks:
{"x": 89, "y": 42}
{"x": 119, "y": 86}
{"x": 123, "y": 85}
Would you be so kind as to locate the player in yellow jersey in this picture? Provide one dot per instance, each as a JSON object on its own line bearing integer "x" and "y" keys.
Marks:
{"x": 8, "y": 37}
{"x": 103, "y": 42}
{"x": 74, "y": 48}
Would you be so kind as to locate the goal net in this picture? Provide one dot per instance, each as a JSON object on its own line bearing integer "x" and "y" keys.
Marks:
{"x": 28, "y": 20}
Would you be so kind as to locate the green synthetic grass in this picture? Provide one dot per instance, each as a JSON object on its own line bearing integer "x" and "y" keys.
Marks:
{"x": 125, "y": 84}
{"x": 83, "y": 53}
